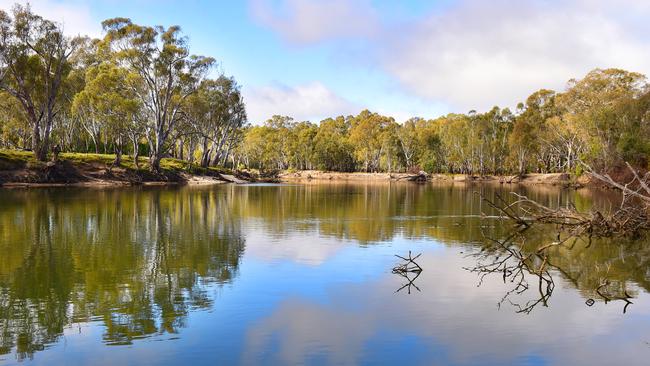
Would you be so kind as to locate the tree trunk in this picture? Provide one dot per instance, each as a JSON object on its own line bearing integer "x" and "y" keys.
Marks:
{"x": 118, "y": 156}
{"x": 118, "y": 152}
{"x": 39, "y": 144}
{"x": 154, "y": 161}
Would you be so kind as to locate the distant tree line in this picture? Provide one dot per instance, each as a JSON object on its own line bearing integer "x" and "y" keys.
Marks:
{"x": 138, "y": 89}
{"x": 602, "y": 119}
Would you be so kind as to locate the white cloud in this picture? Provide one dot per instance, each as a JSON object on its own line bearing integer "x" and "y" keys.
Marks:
{"x": 304, "y": 22}
{"x": 479, "y": 54}
{"x": 75, "y": 16}
{"x": 474, "y": 54}
{"x": 312, "y": 101}
{"x": 267, "y": 248}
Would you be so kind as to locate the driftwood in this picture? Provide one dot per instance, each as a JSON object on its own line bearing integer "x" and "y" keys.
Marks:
{"x": 410, "y": 264}
{"x": 638, "y": 187}
{"x": 410, "y": 270}
{"x": 419, "y": 177}
{"x": 630, "y": 219}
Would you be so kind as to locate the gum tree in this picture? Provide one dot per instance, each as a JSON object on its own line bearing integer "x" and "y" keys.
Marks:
{"x": 33, "y": 66}
{"x": 161, "y": 58}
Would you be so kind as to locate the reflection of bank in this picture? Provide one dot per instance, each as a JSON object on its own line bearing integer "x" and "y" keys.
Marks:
{"x": 137, "y": 260}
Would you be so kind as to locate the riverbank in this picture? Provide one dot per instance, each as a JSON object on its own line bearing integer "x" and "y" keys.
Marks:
{"x": 20, "y": 169}
{"x": 555, "y": 179}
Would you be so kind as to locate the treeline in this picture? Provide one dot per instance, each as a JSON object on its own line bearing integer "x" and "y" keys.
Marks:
{"x": 602, "y": 119}
{"x": 138, "y": 90}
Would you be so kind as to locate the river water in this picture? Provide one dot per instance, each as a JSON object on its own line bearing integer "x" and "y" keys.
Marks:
{"x": 302, "y": 274}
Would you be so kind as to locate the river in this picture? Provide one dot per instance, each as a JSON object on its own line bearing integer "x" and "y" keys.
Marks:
{"x": 302, "y": 274}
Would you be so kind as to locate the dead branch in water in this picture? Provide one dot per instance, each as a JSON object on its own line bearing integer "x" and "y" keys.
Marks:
{"x": 410, "y": 265}
{"x": 638, "y": 187}
{"x": 630, "y": 219}
{"x": 410, "y": 282}
{"x": 625, "y": 298}
{"x": 531, "y": 272}
{"x": 406, "y": 269}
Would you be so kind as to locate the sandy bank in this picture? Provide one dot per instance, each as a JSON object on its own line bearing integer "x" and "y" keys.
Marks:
{"x": 558, "y": 179}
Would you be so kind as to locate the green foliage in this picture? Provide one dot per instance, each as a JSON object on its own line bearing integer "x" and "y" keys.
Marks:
{"x": 332, "y": 149}
{"x": 34, "y": 63}
{"x": 12, "y": 159}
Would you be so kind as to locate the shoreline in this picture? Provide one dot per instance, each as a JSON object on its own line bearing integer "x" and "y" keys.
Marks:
{"x": 192, "y": 181}
{"x": 552, "y": 179}
{"x": 19, "y": 170}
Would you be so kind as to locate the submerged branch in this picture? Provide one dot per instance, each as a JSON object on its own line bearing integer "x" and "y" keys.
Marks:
{"x": 508, "y": 259}
{"x": 406, "y": 269}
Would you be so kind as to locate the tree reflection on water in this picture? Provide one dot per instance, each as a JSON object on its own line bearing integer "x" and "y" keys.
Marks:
{"x": 528, "y": 265}
{"x": 133, "y": 262}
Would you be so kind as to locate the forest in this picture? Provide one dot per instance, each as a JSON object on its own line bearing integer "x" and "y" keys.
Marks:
{"x": 139, "y": 91}
{"x": 602, "y": 119}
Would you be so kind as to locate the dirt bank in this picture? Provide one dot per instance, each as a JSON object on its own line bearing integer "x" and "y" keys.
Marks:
{"x": 558, "y": 179}
{"x": 320, "y": 175}
{"x": 19, "y": 169}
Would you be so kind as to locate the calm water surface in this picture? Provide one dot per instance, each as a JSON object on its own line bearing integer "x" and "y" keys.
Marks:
{"x": 301, "y": 274}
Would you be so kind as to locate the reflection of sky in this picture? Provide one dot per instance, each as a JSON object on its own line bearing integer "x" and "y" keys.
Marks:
{"x": 451, "y": 322}
{"x": 311, "y": 300}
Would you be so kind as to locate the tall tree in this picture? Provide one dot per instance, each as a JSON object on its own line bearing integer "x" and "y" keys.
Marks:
{"x": 108, "y": 100}
{"x": 332, "y": 148}
{"x": 212, "y": 115}
{"x": 529, "y": 128}
{"x": 161, "y": 57}
{"x": 33, "y": 65}
{"x": 595, "y": 105}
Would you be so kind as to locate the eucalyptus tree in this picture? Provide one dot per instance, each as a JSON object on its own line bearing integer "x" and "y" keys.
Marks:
{"x": 14, "y": 130}
{"x": 278, "y": 140}
{"x": 301, "y": 145}
{"x": 429, "y": 153}
{"x": 332, "y": 147}
{"x": 34, "y": 61}
{"x": 529, "y": 131}
{"x": 213, "y": 115}
{"x": 81, "y": 125}
{"x": 161, "y": 58}
{"x": 108, "y": 100}
{"x": 594, "y": 107}
{"x": 232, "y": 117}
{"x": 407, "y": 136}
{"x": 368, "y": 134}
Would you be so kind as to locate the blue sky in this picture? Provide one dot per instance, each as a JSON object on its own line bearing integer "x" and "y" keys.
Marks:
{"x": 316, "y": 58}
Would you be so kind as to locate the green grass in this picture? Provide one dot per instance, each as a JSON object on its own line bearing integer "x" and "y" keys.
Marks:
{"x": 16, "y": 159}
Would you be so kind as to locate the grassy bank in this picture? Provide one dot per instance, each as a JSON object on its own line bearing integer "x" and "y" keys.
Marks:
{"x": 21, "y": 168}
